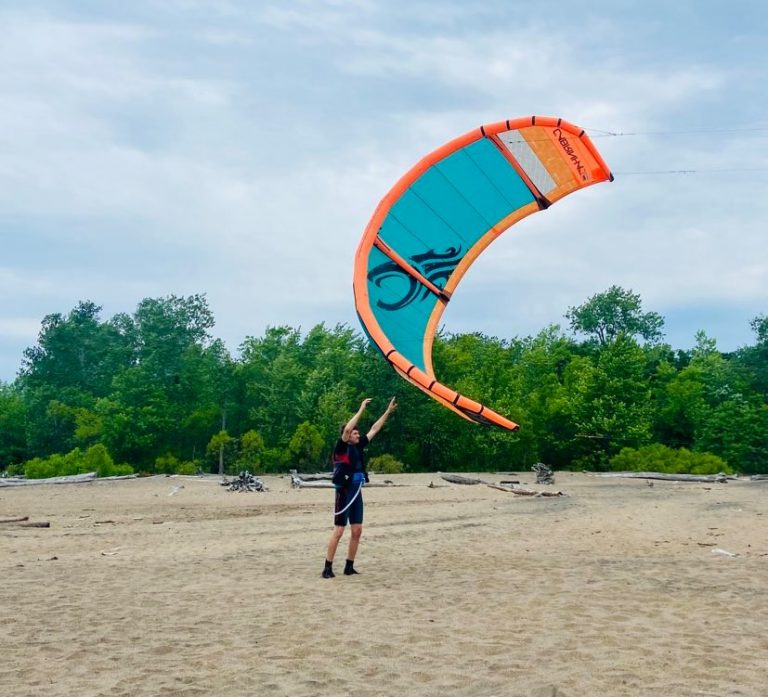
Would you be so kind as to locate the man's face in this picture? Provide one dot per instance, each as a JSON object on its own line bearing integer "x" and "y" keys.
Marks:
{"x": 354, "y": 436}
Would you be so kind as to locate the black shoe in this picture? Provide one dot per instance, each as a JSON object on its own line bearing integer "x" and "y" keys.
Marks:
{"x": 350, "y": 571}
{"x": 328, "y": 573}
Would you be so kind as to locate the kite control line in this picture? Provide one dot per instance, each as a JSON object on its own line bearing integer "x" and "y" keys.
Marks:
{"x": 351, "y": 501}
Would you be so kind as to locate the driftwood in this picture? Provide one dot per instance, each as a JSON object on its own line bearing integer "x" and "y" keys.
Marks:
{"x": 24, "y": 522}
{"x": 523, "y": 492}
{"x": 457, "y": 479}
{"x": 245, "y": 481}
{"x": 298, "y": 482}
{"x": 117, "y": 477}
{"x": 317, "y": 477}
{"x": 532, "y": 492}
{"x": 69, "y": 479}
{"x": 72, "y": 479}
{"x": 544, "y": 474}
{"x": 671, "y": 477}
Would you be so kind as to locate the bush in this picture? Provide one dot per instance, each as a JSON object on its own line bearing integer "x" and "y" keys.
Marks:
{"x": 276, "y": 460}
{"x": 121, "y": 470}
{"x": 187, "y": 467}
{"x": 37, "y": 468}
{"x": 167, "y": 464}
{"x": 386, "y": 464}
{"x": 170, "y": 464}
{"x": 95, "y": 459}
{"x": 660, "y": 458}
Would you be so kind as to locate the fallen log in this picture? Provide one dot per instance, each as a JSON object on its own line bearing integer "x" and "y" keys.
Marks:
{"x": 25, "y": 522}
{"x": 297, "y": 482}
{"x": 317, "y": 477}
{"x": 71, "y": 479}
{"x": 532, "y": 492}
{"x": 14, "y": 520}
{"x": 721, "y": 477}
{"x": 458, "y": 479}
{"x": 117, "y": 477}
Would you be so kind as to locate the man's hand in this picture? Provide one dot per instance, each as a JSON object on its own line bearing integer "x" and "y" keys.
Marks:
{"x": 392, "y": 405}
{"x": 365, "y": 403}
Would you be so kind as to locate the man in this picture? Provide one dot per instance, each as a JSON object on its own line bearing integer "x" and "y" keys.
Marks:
{"x": 349, "y": 475}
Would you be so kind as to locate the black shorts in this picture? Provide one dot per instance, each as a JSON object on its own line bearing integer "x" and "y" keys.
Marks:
{"x": 353, "y": 514}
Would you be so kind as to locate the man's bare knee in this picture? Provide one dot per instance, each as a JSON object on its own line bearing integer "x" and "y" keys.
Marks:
{"x": 357, "y": 531}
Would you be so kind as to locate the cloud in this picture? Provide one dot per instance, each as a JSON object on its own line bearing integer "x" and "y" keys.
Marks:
{"x": 239, "y": 150}
{"x": 19, "y": 328}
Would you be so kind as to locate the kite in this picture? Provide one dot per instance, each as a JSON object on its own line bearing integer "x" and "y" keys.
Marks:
{"x": 440, "y": 216}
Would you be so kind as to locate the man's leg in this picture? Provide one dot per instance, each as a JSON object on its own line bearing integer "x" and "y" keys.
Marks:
{"x": 354, "y": 543}
{"x": 333, "y": 543}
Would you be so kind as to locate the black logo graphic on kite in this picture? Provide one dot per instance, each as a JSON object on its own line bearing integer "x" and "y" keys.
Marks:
{"x": 435, "y": 266}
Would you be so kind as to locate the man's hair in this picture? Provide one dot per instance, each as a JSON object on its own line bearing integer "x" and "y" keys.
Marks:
{"x": 343, "y": 426}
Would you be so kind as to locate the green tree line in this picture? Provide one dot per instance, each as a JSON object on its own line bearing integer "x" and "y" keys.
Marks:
{"x": 157, "y": 392}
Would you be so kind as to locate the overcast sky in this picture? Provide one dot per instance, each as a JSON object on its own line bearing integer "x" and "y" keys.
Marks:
{"x": 238, "y": 149}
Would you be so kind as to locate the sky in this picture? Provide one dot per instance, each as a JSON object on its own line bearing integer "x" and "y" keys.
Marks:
{"x": 238, "y": 149}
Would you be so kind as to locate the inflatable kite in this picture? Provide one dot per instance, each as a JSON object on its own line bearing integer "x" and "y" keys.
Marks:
{"x": 432, "y": 225}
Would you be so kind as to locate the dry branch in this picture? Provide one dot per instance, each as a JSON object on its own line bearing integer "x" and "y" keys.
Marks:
{"x": 457, "y": 479}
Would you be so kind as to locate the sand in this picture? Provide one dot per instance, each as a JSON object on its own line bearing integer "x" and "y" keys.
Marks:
{"x": 618, "y": 589}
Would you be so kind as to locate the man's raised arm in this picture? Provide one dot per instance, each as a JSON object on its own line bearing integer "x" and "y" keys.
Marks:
{"x": 352, "y": 423}
{"x": 379, "y": 423}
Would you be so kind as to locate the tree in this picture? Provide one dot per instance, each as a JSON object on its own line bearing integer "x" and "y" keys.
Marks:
{"x": 251, "y": 450}
{"x": 755, "y": 358}
{"x": 760, "y": 327}
{"x": 218, "y": 445}
{"x": 13, "y": 446}
{"x": 78, "y": 351}
{"x": 74, "y": 363}
{"x": 613, "y": 314}
{"x": 271, "y": 376}
{"x": 610, "y": 402}
{"x": 306, "y": 445}
{"x": 173, "y": 396}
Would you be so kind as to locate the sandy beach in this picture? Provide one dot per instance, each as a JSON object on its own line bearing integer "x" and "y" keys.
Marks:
{"x": 175, "y": 586}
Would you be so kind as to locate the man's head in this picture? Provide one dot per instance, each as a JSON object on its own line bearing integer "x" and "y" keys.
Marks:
{"x": 354, "y": 435}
